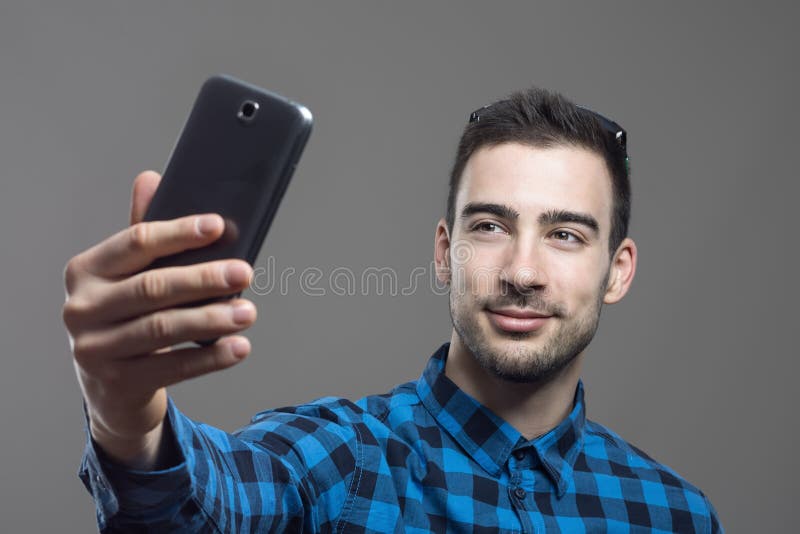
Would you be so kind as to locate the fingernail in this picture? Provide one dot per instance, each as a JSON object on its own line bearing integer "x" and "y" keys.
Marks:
{"x": 243, "y": 312}
{"x": 236, "y": 274}
{"x": 240, "y": 347}
{"x": 207, "y": 224}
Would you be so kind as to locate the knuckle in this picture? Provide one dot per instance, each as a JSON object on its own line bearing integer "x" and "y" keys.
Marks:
{"x": 75, "y": 309}
{"x": 159, "y": 327}
{"x": 139, "y": 236}
{"x": 212, "y": 276}
{"x": 72, "y": 273}
{"x": 84, "y": 349}
{"x": 152, "y": 287}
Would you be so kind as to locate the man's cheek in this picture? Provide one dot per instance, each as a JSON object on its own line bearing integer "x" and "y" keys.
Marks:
{"x": 482, "y": 281}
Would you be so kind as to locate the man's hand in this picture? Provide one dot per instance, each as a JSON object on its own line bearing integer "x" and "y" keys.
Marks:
{"x": 122, "y": 322}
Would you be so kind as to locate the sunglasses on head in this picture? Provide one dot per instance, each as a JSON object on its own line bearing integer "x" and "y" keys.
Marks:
{"x": 616, "y": 131}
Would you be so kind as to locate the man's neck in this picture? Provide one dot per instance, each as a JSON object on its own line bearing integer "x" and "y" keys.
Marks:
{"x": 533, "y": 409}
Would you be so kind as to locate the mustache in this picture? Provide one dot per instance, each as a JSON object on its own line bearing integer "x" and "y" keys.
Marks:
{"x": 533, "y": 301}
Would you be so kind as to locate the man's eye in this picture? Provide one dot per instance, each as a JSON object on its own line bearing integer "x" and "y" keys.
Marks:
{"x": 563, "y": 235}
{"x": 489, "y": 227}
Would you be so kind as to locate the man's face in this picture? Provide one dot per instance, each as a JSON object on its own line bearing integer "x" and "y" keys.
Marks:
{"x": 529, "y": 257}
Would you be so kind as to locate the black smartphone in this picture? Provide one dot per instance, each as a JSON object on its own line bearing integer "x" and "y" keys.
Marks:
{"x": 235, "y": 157}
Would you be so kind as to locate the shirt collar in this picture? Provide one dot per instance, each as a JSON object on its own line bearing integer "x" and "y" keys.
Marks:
{"x": 487, "y": 438}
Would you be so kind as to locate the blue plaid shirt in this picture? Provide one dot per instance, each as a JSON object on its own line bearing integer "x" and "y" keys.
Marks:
{"x": 425, "y": 457}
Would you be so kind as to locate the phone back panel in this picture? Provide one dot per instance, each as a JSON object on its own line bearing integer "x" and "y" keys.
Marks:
{"x": 229, "y": 164}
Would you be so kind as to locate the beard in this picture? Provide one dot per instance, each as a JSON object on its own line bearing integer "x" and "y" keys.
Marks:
{"x": 521, "y": 363}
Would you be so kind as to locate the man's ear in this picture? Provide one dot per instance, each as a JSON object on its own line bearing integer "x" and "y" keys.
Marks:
{"x": 621, "y": 272}
{"x": 441, "y": 252}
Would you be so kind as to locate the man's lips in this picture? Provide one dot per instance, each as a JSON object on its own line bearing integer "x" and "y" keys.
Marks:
{"x": 517, "y": 320}
{"x": 519, "y": 313}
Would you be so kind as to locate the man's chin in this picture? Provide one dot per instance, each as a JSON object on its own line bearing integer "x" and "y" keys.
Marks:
{"x": 510, "y": 368}
{"x": 515, "y": 339}
{"x": 509, "y": 346}
{"x": 521, "y": 366}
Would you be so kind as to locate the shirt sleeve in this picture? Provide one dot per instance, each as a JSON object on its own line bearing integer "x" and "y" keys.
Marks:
{"x": 715, "y": 525}
{"x": 272, "y": 476}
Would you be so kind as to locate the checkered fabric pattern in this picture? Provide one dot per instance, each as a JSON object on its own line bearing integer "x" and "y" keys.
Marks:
{"x": 425, "y": 457}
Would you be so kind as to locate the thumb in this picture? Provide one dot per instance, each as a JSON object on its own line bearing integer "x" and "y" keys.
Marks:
{"x": 144, "y": 187}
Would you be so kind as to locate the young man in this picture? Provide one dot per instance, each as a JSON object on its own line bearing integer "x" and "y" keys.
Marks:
{"x": 491, "y": 438}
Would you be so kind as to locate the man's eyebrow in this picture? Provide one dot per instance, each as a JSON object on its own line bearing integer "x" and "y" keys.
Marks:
{"x": 499, "y": 210}
{"x": 552, "y": 217}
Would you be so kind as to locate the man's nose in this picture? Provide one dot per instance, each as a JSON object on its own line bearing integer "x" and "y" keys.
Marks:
{"x": 525, "y": 266}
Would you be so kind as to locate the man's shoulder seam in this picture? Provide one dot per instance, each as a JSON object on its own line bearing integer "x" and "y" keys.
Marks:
{"x": 634, "y": 453}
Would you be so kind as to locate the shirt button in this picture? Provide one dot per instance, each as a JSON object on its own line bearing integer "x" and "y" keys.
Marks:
{"x": 519, "y": 455}
{"x": 520, "y": 493}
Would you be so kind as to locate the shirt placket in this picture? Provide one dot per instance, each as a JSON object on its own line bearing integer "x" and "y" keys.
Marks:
{"x": 522, "y": 469}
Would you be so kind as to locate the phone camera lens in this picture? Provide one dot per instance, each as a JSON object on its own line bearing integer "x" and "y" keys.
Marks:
{"x": 247, "y": 111}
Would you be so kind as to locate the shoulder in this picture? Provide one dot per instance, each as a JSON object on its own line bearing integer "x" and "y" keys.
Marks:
{"x": 649, "y": 488}
{"x": 399, "y": 402}
{"x": 326, "y": 420}
{"x": 326, "y": 423}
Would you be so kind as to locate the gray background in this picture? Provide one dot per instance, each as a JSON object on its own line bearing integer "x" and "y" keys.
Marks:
{"x": 696, "y": 365}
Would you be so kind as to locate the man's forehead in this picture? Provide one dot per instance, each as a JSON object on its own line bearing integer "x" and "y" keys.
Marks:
{"x": 535, "y": 179}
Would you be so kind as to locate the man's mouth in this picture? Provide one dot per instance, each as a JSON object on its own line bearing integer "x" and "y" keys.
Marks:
{"x": 517, "y": 319}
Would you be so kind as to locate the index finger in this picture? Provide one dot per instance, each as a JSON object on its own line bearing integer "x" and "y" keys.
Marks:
{"x": 144, "y": 187}
{"x": 131, "y": 250}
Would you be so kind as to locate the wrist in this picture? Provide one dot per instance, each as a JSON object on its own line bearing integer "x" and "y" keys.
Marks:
{"x": 145, "y": 453}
